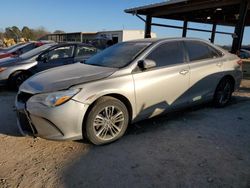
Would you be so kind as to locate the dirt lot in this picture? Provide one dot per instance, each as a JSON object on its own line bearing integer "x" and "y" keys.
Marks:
{"x": 204, "y": 147}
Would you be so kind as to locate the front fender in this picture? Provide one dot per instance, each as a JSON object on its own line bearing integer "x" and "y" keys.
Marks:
{"x": 92, "y": 91}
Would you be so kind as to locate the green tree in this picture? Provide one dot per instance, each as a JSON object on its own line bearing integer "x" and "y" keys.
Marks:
{"x": 58, "y": 32}
{"x": 16, "y": 31}
{"x": 27, "y": 33}
{"x": 8, "y": 33}
{"x": 1, "y": 35}
{"x": 39, "y": 32}
{"x": 13, "y": 32}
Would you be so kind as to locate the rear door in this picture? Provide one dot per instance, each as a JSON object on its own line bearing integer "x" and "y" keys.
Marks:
{"x": 206, "y": 70}
{"x": 162, "y": 88}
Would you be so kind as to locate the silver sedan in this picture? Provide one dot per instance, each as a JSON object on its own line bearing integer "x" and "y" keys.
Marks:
{"x": 123, "y": 84}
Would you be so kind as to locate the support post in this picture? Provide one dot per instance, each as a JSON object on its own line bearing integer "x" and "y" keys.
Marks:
{"x": 239, "y": 28}
{"x": 184, "y": 31}
{"x": 213, "y": 32}
{"x": 148, "y": 27}
{"x": 81, "y": 38}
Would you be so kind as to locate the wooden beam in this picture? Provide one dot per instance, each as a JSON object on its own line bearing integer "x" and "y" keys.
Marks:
{"x": 164, "y": 25}
{"x": 240, "y": 26}
{"x": 141, "y": 18}
{"x": 213, "y": 33}
{"x": 148, "y": 24}
{"x": 189, "y": 7}
{"x": 184, "y": 31}
{"x": 190, "y": 28}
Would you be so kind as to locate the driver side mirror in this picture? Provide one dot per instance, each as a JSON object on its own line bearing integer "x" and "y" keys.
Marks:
{"x": 146, "y": 64}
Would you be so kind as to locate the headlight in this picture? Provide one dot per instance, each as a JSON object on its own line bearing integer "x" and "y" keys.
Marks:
{"x": 2, "y": 69}
{"x": 56, "y": 98}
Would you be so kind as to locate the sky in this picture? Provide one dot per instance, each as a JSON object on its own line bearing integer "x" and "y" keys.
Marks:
{"x": 92, "y": 16}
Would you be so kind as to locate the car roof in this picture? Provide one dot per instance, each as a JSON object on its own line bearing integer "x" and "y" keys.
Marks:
{"x": 159, "y": 40}
{"x": 156, "y": 40}
{"x": 73, "y": 43}
{"x": 56, "y": 45}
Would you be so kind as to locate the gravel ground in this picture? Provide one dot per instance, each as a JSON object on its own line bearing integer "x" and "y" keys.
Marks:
{"x": 201, "y": 147}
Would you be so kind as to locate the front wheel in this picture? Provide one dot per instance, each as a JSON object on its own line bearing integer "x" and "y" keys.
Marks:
{"x": 17, "y": 79}
{"x": 223, "y": 93}
{"x": 107, "y": 121}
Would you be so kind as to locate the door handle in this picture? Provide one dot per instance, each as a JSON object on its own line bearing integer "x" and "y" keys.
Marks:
{"x": 184, "y": 72}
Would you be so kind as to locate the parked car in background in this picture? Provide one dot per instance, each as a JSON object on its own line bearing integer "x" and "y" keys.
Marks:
{"x": 3, "y": 50}
{"x": 20, "y": 49}
{"x": 14, "y": 71}
{"x": 244, "y": 54}
{"x": 63, "y": 54}
{"x": 125, "y": 83}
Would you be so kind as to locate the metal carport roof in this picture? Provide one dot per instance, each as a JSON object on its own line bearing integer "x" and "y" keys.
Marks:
{"x": 216, "y": 12}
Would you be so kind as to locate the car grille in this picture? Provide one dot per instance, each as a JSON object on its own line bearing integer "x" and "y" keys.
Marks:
{"x": 24, "y": 123}
{"x": 23, "y": 97}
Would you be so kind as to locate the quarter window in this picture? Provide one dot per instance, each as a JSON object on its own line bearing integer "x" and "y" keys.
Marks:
{"x": 169, "y": 53}
{"x": 199, "y": 51}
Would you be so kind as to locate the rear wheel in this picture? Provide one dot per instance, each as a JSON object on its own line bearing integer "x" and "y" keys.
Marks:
{"x": 17, "y": 79}
{"x": 107, "y": 121}
{"x": 223, "y": 93}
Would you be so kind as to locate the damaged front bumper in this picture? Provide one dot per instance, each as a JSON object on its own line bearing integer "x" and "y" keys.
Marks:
{"x": 58, "y": 123}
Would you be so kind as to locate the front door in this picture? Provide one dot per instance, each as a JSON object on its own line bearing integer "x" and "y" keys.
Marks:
{"x": 57, "y": 57}
{"x": 162, "y": 88}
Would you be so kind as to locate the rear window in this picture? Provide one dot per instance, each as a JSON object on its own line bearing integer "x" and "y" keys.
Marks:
{"x": 199, "y": 51}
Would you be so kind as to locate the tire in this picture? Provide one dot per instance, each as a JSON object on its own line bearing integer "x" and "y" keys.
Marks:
{"x": 17, "y": 78}
{"x": 106, "y": 121}
{"x": 223, "y": 93}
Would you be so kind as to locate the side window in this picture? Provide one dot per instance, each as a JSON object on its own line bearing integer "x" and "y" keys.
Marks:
{"x": 85, "y": 50}
{"x": 199, "y": 51}
{"x": 26, "y": 48}
{"x": 169, "y": 53}
{"x": 60, "y": 53}
{"x": 44, "y": 56}
{"x": 215, "y": 53}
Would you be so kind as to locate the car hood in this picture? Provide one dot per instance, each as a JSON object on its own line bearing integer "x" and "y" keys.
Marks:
{"x": 63, "y": 77}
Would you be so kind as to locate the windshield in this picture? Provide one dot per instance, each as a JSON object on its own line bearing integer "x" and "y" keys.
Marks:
{"x": 35, "y": 51}
{"x": 119, "y": 55}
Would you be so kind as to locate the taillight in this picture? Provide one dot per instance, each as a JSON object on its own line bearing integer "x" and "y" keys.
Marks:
{"x": 239, "y": 62}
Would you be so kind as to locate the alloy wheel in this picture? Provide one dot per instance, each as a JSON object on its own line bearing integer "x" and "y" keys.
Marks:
{"x": 224, "y": 92}
{"x": 21, "y": 78}
{"x": 108, "y": 123}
